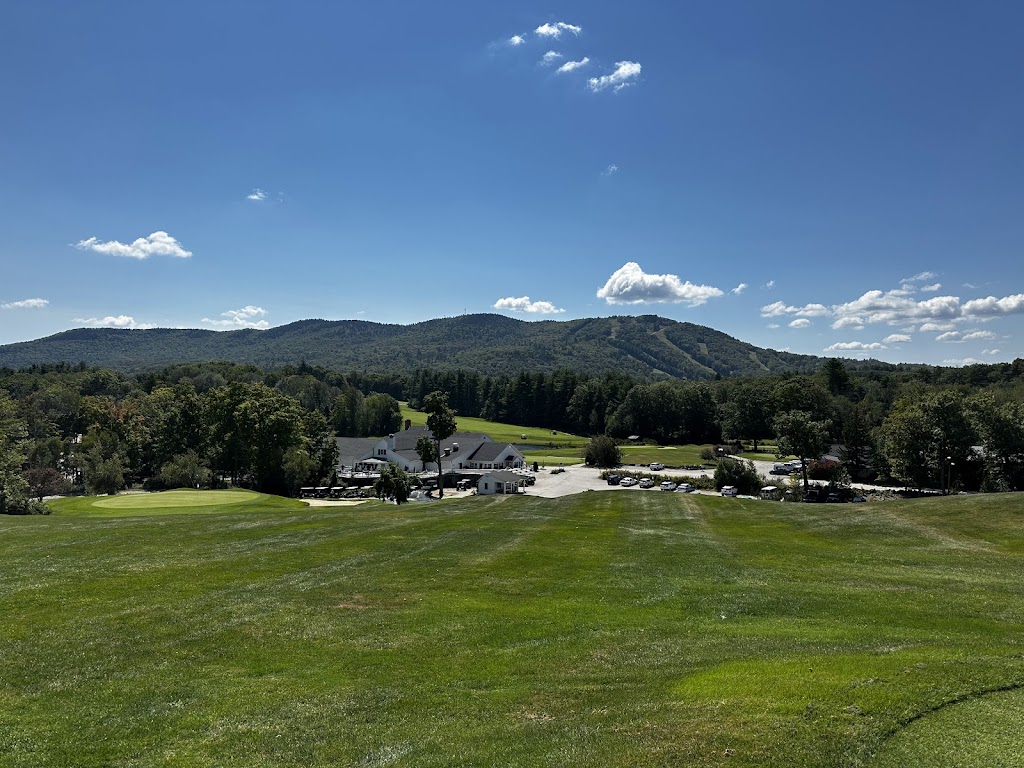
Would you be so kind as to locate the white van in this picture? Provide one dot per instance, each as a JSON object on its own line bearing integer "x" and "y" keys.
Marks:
{"x": 730, "y": 490}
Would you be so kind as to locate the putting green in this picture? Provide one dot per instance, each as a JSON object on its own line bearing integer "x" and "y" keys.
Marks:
{"x": 987, "y": 732}
{"x": 179, "y": 498}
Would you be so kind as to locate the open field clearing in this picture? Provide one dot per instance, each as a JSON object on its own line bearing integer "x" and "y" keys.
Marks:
{"x": 181, "y": 501}
{"x": 502, "y": 433}
{"x": 607, "y": 628}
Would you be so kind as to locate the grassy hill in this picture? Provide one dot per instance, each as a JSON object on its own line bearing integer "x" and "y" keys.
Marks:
{"x": 602, "y": 629}
{"x": 648, "y": 346}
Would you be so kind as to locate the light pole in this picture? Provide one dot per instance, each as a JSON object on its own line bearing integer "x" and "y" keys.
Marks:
{"x": 946, "y": 477}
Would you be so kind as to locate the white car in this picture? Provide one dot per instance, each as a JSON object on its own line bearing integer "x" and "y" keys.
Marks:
{"x": 656, "y": 467}
{"x": 627, "y": 482}
{"x": 668, "y": 485}
{"x": 684, "y": 488}
{"x": 730, "y": 490}
{"x": 647, "y": 483}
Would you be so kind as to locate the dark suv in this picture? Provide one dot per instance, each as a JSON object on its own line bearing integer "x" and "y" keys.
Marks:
{"x": 614, "y": 479}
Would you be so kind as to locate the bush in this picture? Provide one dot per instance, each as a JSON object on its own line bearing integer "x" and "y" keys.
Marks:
{"x": 823, "y": 470}
{"x": 602, "y": 451}
{"x": 741, "y": 474}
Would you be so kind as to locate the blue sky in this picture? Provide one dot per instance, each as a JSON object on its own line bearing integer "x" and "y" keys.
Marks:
{"x": 858, "y": 168}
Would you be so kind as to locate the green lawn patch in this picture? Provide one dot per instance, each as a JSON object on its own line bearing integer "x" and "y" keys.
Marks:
{"x": 502, "y": 433}
{"x": 178, "y": 501}
{"x": 609, "y": 628}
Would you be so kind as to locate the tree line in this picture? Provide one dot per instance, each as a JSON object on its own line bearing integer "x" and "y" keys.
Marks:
{"x": 204, "y": 424}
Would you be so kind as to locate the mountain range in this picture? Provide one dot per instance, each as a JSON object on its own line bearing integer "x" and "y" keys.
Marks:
{"x": 646, "y": 346}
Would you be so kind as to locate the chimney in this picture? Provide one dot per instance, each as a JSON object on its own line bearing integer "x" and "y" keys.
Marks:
{"x": 455, "y": 447}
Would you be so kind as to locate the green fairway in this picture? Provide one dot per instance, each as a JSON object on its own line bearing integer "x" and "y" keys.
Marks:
{"x": 985, "y": 731}
{"x": 502, "y": 433}
{"x": 605, "y": 629}
{"x": 180, "y": 501}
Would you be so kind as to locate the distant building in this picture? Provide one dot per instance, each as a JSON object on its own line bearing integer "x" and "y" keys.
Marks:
{"x": 463, "y": 452}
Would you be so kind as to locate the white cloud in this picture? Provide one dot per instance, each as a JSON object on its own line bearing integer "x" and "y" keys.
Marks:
{"x": 25, "y": 304}
{"x": 897, "y": 338}
{"x": 111, "y": 321}
{"x": 611, "y": 169}
{"x": 571, "y": 66}
{"x": 740, "y": 288}
{"x": 932, "y": 327}
{"x": 631, "y": 285}
{"x": 624, "y": 74}
{"x": 920, "y": 277}
{"x": 773, "y": 326}
{"x": 957, "y": 336}
{"x": 894, "y": 308}
{"x": 931, "y": 288}
{"x": 779, "y": 308}
{"x": 550, "y": 58}
{"x": 769, "y": 285}
{"x": 858, "y": 346}
{"x": 800, "y": 322}
{"x": 960, "y": 362}
{"x": 990, "y": 306}
{"x": 555, "y": 30}
{"x": 241, "y": 318}
{"x": 853, "y": 323}
{"x": 523, "y": 304}
{"x": 991, "y": 351}
{"x": 257, "y": 194}
{"x": 157, "y": 244}
{"x": 516, "y": 40}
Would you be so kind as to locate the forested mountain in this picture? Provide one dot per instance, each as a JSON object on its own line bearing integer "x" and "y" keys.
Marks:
{"x": 648, "y": 347}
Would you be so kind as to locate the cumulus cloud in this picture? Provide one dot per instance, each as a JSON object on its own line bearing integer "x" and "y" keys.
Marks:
{"x": 991, "y": 351}
{"x": 631, "y": 285}
{"x": 25, "y": 304}
{"x": 990, "y": 306}
{"x": 523, "y": 304}
{"x": 932, "y": 327}
{"x": 611, "y": 169}
{"x": 857, "y": 346}
{"x": 550, "y": 58}
{"x": 895, "y": 308}
{"x": 779, "y": 308}
{"x": 739, "y": 289}
{"x": 800, "y": 322}
{"x": 931, "y": 288}
{"x": 853, "y": 323}
{"x": 157, "y": 244}
{"x": 556, "y": 29}
{"x": 257, "y": 194}
{"x": 571, "y": 66}
{"x": 773, "y": 326}
{"x": 240, "y": 318}
{"x": 112, "y": 321}
{"x": 897, "y": 338}
{"x": 516, "y": 40}
{"x": 769, "y": 285}
{"x": 625, "y": 74}
{"x": 957, "y": 336}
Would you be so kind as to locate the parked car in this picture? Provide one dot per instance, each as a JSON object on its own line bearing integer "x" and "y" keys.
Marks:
{"x": 858, "y": 499}
{"x": 656, "y": 466}
{"x": 730, "y": 490}
{"x": 833, "y": 498}
{"x": 814, "y": 495}
{"x": 627, "y": 482}
{"x": 684, "y": 488}
{"x": 781, "y": 469}
{"x": 613, "y": 479}
{"x": 668, "y": 485}
{"x": 647, "y": 483}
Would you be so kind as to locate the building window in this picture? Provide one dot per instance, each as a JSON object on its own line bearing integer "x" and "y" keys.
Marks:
{"x": 485, "y": 486}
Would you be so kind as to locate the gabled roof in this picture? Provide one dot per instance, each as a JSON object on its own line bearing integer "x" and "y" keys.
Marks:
{"x": 353, "y": 449}
{"x": 488, "y": 451}
{"x": 406, "y": 440}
